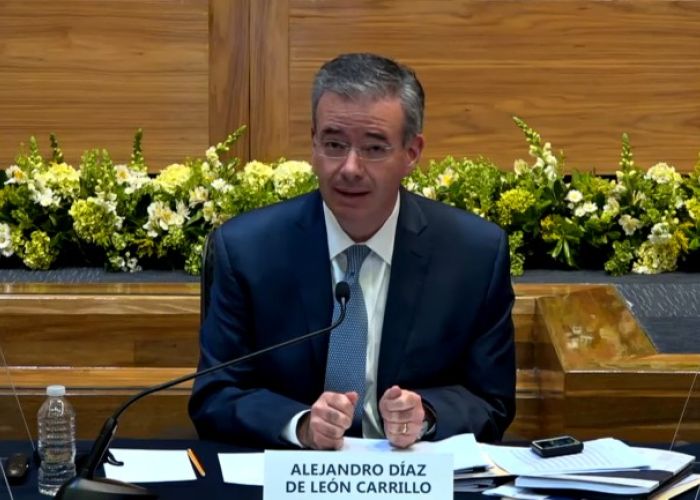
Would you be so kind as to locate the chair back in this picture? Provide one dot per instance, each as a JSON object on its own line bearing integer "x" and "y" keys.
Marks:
{"x": 207, "y": 275}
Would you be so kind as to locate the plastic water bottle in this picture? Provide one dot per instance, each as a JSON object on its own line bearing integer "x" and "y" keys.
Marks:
{"x": 56, "y": 444}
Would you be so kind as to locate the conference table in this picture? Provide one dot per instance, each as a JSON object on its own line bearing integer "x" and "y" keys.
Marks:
{"x": 211, "y": 486}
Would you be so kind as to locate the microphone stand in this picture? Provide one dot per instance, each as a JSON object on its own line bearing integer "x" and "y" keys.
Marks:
{"x": 86, "y": 487}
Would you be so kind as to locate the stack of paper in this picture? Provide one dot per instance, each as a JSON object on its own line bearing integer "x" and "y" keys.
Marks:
{"x": 605, "y": 468}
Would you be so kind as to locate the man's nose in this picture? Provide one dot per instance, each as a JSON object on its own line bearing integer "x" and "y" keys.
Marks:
{"x": 352, "y": 163}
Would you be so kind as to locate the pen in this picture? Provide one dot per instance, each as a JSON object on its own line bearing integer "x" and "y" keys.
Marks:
{"x": 195, "y": 461}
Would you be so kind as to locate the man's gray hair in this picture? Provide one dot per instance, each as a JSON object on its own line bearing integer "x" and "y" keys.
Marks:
{"x": 370, "y": 75}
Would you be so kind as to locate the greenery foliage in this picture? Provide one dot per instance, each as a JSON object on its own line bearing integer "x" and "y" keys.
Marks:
{"x": 116, "y": 215}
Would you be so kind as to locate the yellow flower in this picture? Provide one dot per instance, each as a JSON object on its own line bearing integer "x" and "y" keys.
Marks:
{"x": 692, "y": 205}
{"x": 172, "y": 177}
{"x": 446, "y": 178}
{"x": 513, "y": 201}
{"x": 256, "y": 174}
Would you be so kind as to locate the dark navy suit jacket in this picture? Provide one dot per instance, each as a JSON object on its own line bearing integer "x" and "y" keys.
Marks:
{"x": 447, "y": 331}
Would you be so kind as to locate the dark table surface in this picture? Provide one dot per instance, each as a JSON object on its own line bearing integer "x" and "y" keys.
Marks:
{"x": 204, "y": 488}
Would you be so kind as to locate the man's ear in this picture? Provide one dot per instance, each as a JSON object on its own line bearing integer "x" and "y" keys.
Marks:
{"x": 414, "y": 151}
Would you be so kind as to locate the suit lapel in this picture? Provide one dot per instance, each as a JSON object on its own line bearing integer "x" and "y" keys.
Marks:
{"x": 311, "y": 264}
{"x": 408, "y": 271}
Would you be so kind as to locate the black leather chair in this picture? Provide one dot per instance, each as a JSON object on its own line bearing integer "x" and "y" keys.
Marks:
{"x": 207, "y": 275}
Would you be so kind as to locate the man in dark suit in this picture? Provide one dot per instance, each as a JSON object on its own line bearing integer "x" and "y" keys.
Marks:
{"x": 433, "y": 297}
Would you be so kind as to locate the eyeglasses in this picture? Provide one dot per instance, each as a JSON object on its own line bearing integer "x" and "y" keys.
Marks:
{"x": 337, "y": 150}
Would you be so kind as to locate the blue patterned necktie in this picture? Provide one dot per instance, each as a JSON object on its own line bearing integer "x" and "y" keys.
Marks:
{"x": 347, "y": 348}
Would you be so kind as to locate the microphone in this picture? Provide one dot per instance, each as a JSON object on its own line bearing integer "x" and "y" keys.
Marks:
{"x": 84, "y": 486}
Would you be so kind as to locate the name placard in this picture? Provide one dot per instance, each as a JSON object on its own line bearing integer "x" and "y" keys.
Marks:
{"x": 365, "y": 475}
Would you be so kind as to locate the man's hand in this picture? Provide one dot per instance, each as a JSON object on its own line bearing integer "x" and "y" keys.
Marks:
{"x": 324, "y": 426}
{"x": 402, "y": 412}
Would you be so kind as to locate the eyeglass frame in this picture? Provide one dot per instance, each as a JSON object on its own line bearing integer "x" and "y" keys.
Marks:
{"x": 386, "y": 151}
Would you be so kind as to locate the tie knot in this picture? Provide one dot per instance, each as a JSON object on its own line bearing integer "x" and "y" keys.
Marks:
{"x": 356, "y": 255}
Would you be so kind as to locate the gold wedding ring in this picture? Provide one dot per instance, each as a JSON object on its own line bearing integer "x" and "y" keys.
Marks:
{"x": 404, "y": 429}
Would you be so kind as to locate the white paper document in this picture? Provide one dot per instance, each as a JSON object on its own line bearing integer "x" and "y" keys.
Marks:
{"x": 242, "y": 468}
{"x": 664, "y": 465}
{"x": 248, "y": 468}
{"x": 463, "y": 447}
{"x": 150, "y": 466}
{"x": 597, "y": 455}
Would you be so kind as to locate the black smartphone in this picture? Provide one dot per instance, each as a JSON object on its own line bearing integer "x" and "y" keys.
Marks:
{"x": 556, "y": 446}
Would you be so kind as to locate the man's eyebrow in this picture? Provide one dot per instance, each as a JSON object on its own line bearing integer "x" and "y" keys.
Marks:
{"x": 376, "y": 135}
{"x": 331, "y": 131}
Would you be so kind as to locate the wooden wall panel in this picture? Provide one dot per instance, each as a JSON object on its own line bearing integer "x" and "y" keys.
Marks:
{"x": 229, "y": 71}
{"x": 581, "y": 72}
{"x": 269, "y": 80}
{"x": 91, "y": 327}
{"x": 94, "y": 72}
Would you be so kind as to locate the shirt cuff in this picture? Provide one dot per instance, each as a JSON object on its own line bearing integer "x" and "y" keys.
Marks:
{"x": 429, "y": 422}
{"x": 289, "y": 433}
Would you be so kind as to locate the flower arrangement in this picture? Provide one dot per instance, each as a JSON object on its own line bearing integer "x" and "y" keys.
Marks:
{"x": 116, "y": 215}
{"x": 640, "y": 221}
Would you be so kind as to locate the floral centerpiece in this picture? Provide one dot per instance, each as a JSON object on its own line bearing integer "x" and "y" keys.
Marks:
{"x": 116, "y": 215}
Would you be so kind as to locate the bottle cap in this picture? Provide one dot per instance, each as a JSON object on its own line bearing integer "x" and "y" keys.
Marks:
{"x": 56, "y": 391}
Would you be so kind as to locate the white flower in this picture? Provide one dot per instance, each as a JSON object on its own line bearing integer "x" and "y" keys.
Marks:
{"x": 429, "y": 192}
{"x": 619, "y": 189}
{"x": 212, "y": 158}
{"x": 520, "y": 167}
{"x": 122, "y": 173}
{"x": 574, "y": 196}
{"x": 612, "y": 206}
{"x": 6, "y": 248}
{"x": 659, "y": 233}
{"x": 15, "y": 175}
{"x": 638, "y": 197}
{"x": 551, "y": 172}
{"x": 629, "y": 224}
{"x": 132, "y": 263}
{"x": 161, "y": 217}
{"x": 198, "y": 195}
{"x": 587, "y": 208}
{"x": 44, "y": 196}
{"x": 133, "y": 179}
{"x": 411, "y": 185}
{"x": 662, "y": 173}
{"x": 550, "y": 160}
{"x": 221, "y": 186}
{"x": 182, "y": 213}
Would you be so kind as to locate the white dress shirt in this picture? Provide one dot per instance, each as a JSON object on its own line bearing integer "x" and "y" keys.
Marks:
{"x": 374, "y": 280}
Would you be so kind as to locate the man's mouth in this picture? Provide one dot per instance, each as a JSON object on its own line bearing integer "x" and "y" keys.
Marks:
{"x": 351, "y": 193}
